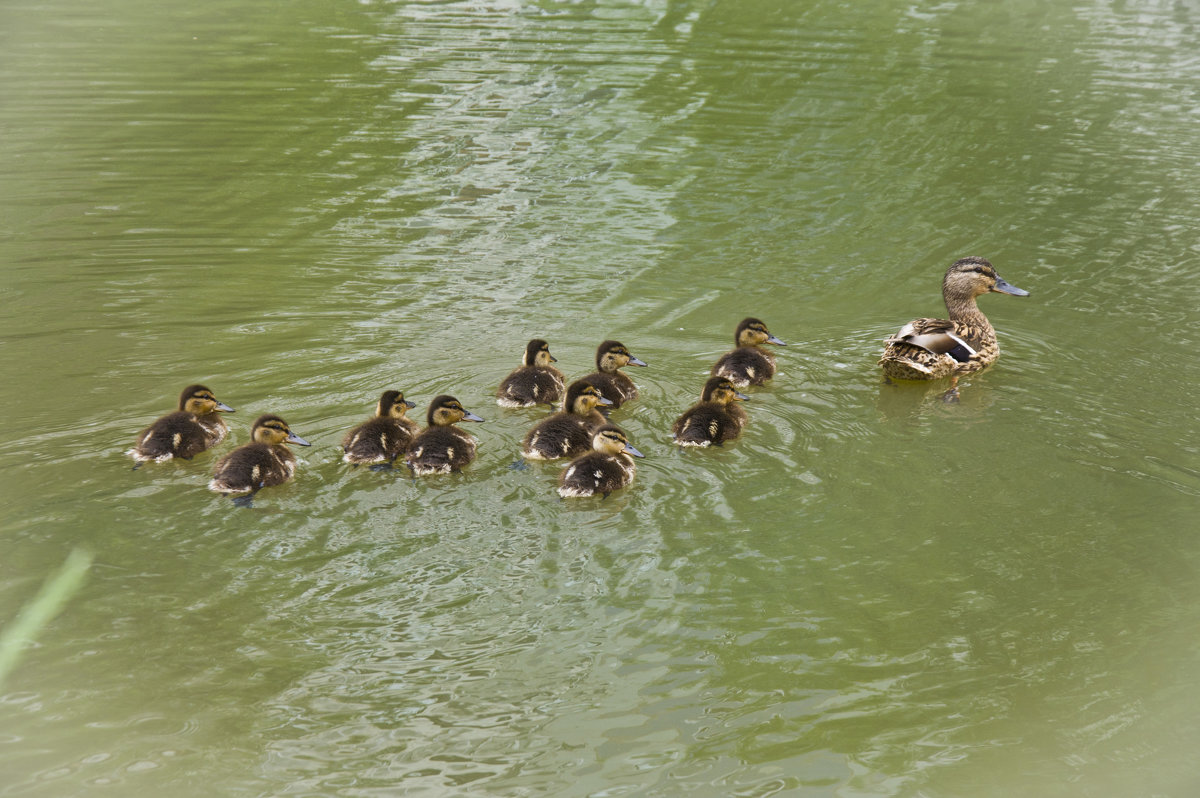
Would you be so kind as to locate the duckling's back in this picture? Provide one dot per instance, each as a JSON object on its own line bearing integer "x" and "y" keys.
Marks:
{"x": 561, "y": 435}
{"x": 179, "y": 434}
{"x": 709, "y": 423}
{"x": 746, "y": 365}
{"x": 440, "y": 450}
{"x": 253, "y": 466}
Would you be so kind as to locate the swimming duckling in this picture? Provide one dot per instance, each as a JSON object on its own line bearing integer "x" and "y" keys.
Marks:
{"x": 263, "y": 462}
{"x": 191, "y": 429}
{"x": 567, "y": 433}
{"x": 611, "y": 356}
{"x": 749, "y": 363}
{"x": 714, "y": 419}
{"x": 928, "y": 349}
{"x": 381, "y": 439}
{"x": 442, "y": 447}
{"x": 603, "y": 470}
{"x": 535, "y": 381}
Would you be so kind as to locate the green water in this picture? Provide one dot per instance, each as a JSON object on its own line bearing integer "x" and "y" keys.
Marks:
{"x": 872, "y": 593}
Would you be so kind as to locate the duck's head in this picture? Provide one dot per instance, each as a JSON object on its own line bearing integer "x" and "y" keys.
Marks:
{"x": 446, "y": 410}
{"x": 611, "y": 440}
{"x": 582, "y": 398}
{"x": 612, "y": 355}
{"x": 274, "y": 430}
{"x": 971, "y": 277}
{"x": 537, "y": 353}
{"x": 752, "y": 332}
{"x": 393, "y": 404}
{"x": 201, "y": 401}
{"x": 721, "y": 391}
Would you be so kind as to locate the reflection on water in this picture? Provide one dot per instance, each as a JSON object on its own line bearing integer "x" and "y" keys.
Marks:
{"x": 873, "y": 592}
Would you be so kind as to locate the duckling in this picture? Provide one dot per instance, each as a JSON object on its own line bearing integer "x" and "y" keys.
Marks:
{"x": 929, "y": 349}
{"x": 611, "y": 356}
{"x": 381, "y": 439}
{"x": 749, "y": 363}
{"x": 567, "y": 433}
{"x": 191, "y": 429}
{"x": 714, "y": 419}
{"x": 605, "y": 469}
{"x": 441, "y": 447}
{"x": 264, "y": 462}
{"x": 535, "y": 381}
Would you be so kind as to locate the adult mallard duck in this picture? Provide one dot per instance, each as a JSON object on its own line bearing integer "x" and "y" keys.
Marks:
{"x": 605, "y": 469}
{"x": 382, "y": 438}
{"x": 748, "y": 363}
{"x": 611, "y": 357}
{"x": 567, "y": 433}
{"x": 929, "y": 349}
{"x": 714, "y": 419}
{"x": 263, "y": 462}
{"x": 191, "y": 429}
{"x": 442, "y": 447}
{"x": 535, "y": 381}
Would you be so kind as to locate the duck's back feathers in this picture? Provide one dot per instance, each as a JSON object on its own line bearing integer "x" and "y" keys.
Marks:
{"x": 527, "y": 386}
{"x": 179, "y": 434}
{"x": 606, "y": 468}
{"x": 440, "y": 450}
{"x": 614, "y": 386}
{"x": 561, "y": 435}
{"x": 709, "y": 423}
{"x": 253, "y": 466}
{"x": 378, "y": 440}
{"x": 746, "y": 365}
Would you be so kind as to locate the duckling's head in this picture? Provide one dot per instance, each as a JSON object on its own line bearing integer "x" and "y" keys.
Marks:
{"x": 274, "y": 430}
{"x": 200, "y": 400}
{"x": 752, "y": 332}
{"x": 970, "y": 277}
{"x": 611, "y": 440}
{"x": 537, "y": 353}
{"x": 445, "y": 410}
{"x": 612, "y": 355}
{"x": 393, "y": 404}
{"x": 582, "y": 398}
{"x": 721, "y": 391}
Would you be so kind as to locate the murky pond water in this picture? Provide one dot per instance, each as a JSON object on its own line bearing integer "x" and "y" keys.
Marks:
{"x": 872, "y": 593}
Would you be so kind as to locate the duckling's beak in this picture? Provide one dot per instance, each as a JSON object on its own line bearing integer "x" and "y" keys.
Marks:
{"x": 409, "y": 405}
{"x": 224, "y": 408}
{"x": 553, "y": 359}
{"x": 633, "y": 361}
{"x": 1003, "y": 287}
{"x": 604, "y": 400}
{"x": 741, "y": 397}
{"x": 469, "y": 416}
{"x": 771, "y": 339}
{"x": 630, "y": 450}
{"x": 296, "y": 439}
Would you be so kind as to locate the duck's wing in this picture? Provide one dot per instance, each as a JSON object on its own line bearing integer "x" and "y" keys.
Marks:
{"x": 938, "y": 336}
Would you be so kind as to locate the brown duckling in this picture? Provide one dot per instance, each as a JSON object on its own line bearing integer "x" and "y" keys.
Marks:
{"x": 749, "y": 363}
{"x": 442, "y": 447}
{"x": 605, "y": 469}
{"x": 191, "y": 429}
{"x": 611, "y": 357}
{"x": 714, "y": 419}
{"x": 535, "y": 381}
{"x": 928, "y": 349}
{"x": 567, "y": 433}
{"x": 263, "y": 462}
{"x": 380, "y": 440}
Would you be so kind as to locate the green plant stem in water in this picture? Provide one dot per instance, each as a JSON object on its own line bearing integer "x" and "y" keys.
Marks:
{"x": 58, "y": 588}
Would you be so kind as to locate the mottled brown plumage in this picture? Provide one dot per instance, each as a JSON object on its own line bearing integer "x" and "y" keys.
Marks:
{"x": 606, "y": 468}
{"x": 929, "y": 349}
{"x": 194, "y": 427}
{"x": 611, "y": 357}
{"x": 567, "y": 433}
{"x": 441, "y": 447}
{"x": 385, "y": 436}
{"x": 535, "y": 381}
{"x": 748, "y": 363}
{"x": 263, "y": 462}
{"x": 714, "y": 419}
